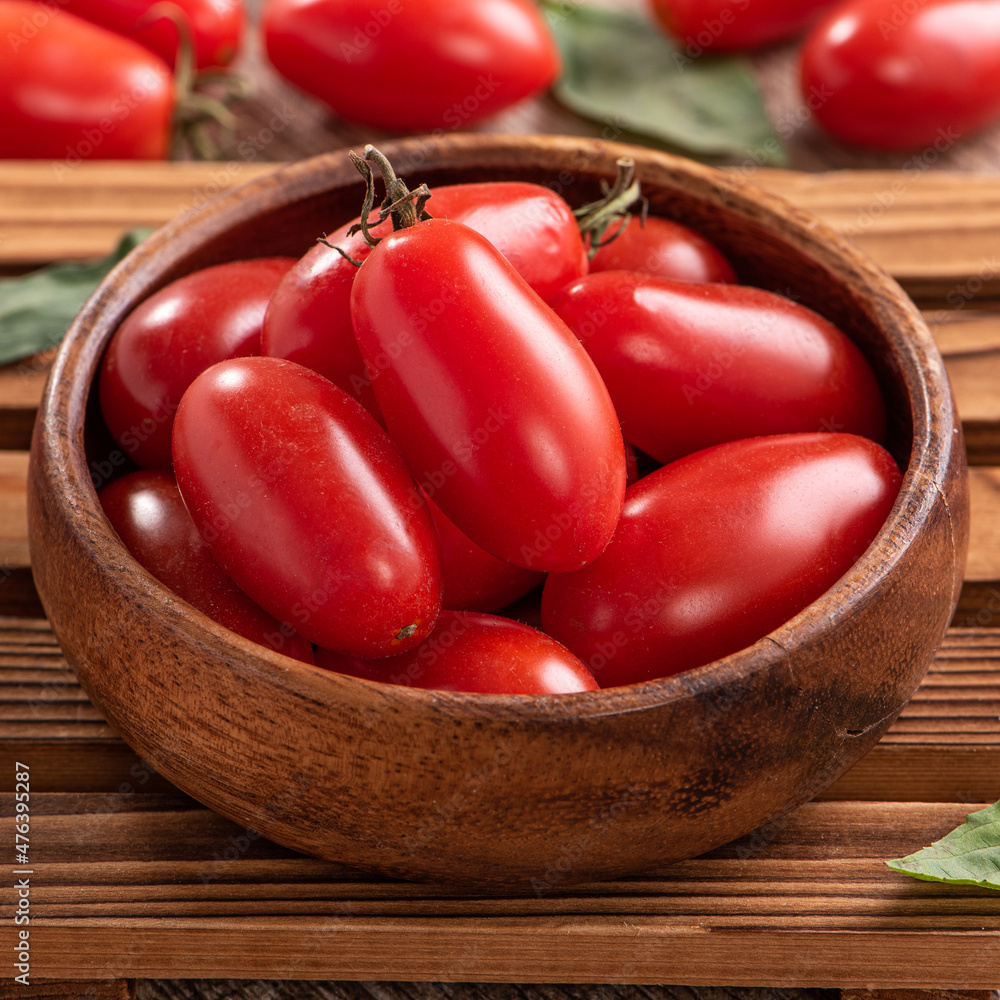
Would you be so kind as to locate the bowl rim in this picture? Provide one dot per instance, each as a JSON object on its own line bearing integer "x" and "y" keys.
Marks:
{"x": 78, "y": 361}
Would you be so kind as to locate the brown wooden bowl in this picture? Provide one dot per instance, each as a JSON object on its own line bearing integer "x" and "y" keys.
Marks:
{"x": 529, "y": 792}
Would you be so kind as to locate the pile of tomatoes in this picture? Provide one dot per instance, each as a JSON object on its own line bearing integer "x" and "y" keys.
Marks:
{"x": 891, "y": 74}
{"x": 424, "y": 419}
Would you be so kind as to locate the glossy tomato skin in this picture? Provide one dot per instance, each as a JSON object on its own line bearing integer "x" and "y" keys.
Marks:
{"x": 725, "y": 26}
{"x": 412, "y": 65}
{"x": 492, "y": 401}
{"x": 692, "y": 365}
{"x": 174, "y": 335}
{"x": 472, "y": 579}
{"x": 478, "y": 653}
{"x": 896, "y": 80}
{"x": 718, "y": 549}
{"x": 71, "y": 90}
{"x": 307, "y": 505}
{"x": 147, "y": 511}
{"x": 216, "y": 26}
{"x": 666, "y": 249}
{"x": 309, "y": 318}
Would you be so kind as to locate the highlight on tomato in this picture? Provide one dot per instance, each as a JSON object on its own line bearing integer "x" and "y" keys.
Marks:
{"x": 305, "y": 502}
{"x": 147, "y": 511}
{"x": 479, "y": 653}
{"x": 718, "y": 549}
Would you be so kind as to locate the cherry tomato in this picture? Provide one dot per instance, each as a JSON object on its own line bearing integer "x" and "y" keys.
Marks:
{"x": 692, "y": 365}
{"x": 178, "y": 332}
{"x": 216, "y": 26}
{"x": 412, "y": 64}
{"x": 147, "y": 511}
{"x": 473, "y": 652}
{"x": 306, "y": 504}
{"x": 71, "y": 90}
{"x": 665, "y": 249}
{"x": 895, "y": 78}
{"x": 734, "y": 25}
{"x": 495, "y": 406}
{"x": 472, "y": 579}
{"x": 718, "y": 549}
{"x": 309, "y": 318}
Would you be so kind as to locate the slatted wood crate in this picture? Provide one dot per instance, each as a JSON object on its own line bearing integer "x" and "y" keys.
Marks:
{"x": 132, "y": 879}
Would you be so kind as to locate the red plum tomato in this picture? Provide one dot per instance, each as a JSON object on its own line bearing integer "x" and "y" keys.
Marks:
{"x": 147, "y": 511}
{"x": 474, "y": 652}
{"x": 501, "y": 416}
{"x": 887, "y": 76}
{"x": 216, "y": 26}
{"x": 174, "y": 335}
{"x": 71, "y": 90}
{"x": 664, "y": 249}
{"x": 412, "y": 65}
{"x": 692, "y": 365}
{"x": 307, "y": 505}
{"x": 734, "y": 25}
{"x": 718, "y": 549}
{"x": 309, "y": 318}
{"x": 472, "y": 579}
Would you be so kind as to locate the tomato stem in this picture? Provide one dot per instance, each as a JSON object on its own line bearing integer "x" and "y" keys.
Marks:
{"x": 406, "y": 207}
{"x": 597, "y": 218}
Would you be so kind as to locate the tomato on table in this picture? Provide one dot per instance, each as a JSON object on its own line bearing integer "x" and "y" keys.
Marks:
{"x": 71, "y": 90}
{"x": 178, "y": 332}
{"x": 719, "y": 548}
{"x": 692, "y": 365}
{"x": 147, "y": 511}
{"x": 307, "y": 505}
{"x": 412, "y": 65}
{"x": 892, "y": 78}
{"x": 479, "y": 653}
{"x": 216, "y": 26}
{"x": 735, "y": 25}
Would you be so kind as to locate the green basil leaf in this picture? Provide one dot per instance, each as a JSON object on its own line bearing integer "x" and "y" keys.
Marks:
{"x": 37, "y": 308}
{"x": 624, "y": 72}
{"x": 969, "y": 855}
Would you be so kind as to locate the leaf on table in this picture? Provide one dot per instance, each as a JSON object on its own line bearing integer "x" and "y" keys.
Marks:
{"x": 622, "y": 70}
{"x": 37, "y": 308}
{"x": 969, "y": 855}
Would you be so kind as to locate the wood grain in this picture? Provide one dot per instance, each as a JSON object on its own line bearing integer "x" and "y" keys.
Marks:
{"x": 894, "y": 217}
{"x": 127, "y": 885}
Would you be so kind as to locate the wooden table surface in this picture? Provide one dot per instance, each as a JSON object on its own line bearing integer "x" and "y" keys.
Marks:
{"x": 133, "y": 880}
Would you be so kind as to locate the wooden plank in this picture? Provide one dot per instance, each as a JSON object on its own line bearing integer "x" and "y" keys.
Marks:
{"x": 805, "y": 901}
{"x": 894, "y": 216}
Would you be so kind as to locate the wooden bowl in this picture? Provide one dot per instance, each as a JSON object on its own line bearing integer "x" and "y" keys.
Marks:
{"x": 533, "y": 793}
